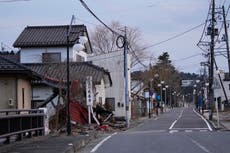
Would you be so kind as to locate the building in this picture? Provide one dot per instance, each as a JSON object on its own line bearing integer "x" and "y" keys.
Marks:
{"x": 47, "y": 44}
{"x": 219, "y": 96}
{"x": 140, "y": 105}
{"x": 115, "y": 95}
{"x": 15, "y": 86}
{"x": 43, "y": 49}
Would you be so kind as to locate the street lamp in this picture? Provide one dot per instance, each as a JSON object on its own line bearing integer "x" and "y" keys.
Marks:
{"x": 76, "y": 47}
{"x": 160, "y": 85}
{"x": 194, "y": 96}
{"x": 150, "y": 97}
{"x": 161, "y": 102}
{"x": 166, "y": 93}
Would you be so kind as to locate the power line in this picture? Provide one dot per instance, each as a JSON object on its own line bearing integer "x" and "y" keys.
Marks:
{"x": 185, "y": 58}
{"x": 5, "y": 1}
{"x": 144, "y": 48}
{"x": 92, "y": 13}
{"x": 173, "y": 37}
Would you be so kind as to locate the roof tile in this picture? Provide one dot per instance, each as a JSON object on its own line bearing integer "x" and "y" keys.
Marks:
{"x": 78, "y": 71}
{"x": 44, "y": 36}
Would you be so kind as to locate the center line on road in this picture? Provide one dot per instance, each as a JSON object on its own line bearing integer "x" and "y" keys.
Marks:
{"x": 173, "y": 124}
{"x": 176, "y": 120}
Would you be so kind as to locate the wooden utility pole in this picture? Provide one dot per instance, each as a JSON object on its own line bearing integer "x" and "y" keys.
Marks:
{"x": 226, "y": 40}
{"x": 211, "y": 69}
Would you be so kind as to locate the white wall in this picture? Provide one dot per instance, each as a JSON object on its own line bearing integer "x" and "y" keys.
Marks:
{"x": 114, "y": 63}
{"x": 41, "y": 92}
{"x": 34, "y": 55}
{"x": 100, "y": 90}
{"x": 218, "y": 91}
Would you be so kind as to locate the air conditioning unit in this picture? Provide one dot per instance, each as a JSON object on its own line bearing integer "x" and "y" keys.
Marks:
{"x": 11, "y": 102}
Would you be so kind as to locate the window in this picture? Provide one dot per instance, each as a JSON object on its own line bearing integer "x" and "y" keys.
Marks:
{"x": 51, "y": 57}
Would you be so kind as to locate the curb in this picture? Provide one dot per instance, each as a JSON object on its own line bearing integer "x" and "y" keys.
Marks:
{"x": 214, "y": 123}
{"x": 77, "y": 145}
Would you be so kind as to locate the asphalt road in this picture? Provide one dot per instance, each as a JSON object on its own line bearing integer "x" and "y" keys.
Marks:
{"x": 179, "y": 131}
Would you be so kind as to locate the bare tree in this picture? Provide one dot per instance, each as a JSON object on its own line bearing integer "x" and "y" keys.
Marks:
{"x": 104, "y": 41}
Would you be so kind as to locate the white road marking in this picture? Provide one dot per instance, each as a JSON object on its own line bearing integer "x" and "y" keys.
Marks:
{"x": 173, "y": 124}
{"x": 203, "y": 130}
{"x": 209, "y": 127}
{"x": 200, "y": 146}
{"x": 100, "y": 143}
{"x": 188, "y": 130}
{"x": 140, "y": 124}
{"x": 181, "y": 114}
{"x": 176, "y": 120}
{"x": 145, "y": 132}
{"x": 173, "y": 131}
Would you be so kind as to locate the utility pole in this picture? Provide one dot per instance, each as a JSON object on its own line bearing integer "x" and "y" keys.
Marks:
{"x": 149, "y": 98}
{"x": 122, "y": 42}
{"x": 211, "y": 69}
{"x": 226, "y": 39}
{"x": 69, "y": 130}
{"x": 126, "y": 79}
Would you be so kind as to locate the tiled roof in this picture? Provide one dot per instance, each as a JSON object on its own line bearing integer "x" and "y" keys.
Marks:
{"x": 56, "y": 72}
{"x": 47, "y": 36}
{"x": 10, "y": 67}
{"x": 15, "y": 57}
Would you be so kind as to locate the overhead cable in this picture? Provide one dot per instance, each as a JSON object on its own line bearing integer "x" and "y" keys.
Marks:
{"x": 185, "y": 58}
{"x": 92, "y": 13}
{"x": 5, "y": 1}
{"x": 173, "y": 37}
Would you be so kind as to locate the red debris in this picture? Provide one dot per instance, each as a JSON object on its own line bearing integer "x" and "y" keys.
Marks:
{"x": 78, "y": 113}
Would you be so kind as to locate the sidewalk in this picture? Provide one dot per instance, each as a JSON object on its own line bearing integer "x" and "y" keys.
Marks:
{"x": 59, "y": 143}
{"x": 224, "y": 120}
{"x": 50, "y": 144}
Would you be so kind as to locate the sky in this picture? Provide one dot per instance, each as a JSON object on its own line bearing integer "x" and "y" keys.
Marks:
{"x": 157, "y": 21}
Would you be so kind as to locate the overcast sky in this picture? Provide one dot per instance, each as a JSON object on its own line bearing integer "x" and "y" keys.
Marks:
{"x": 157, "y": 20}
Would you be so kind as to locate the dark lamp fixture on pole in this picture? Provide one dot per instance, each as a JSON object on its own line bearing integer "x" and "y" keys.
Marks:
{"x": 77, "y": 47}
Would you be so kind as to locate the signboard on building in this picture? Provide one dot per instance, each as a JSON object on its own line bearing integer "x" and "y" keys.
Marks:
{"x": 89, "y": 90}
{"x": 186, "y": 83}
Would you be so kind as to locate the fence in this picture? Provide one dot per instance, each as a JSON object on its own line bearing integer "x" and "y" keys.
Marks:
{"x": 21, "y": 123}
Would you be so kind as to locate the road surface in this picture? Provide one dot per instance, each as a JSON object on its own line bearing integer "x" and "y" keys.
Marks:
{"x": 180, "y": 130}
